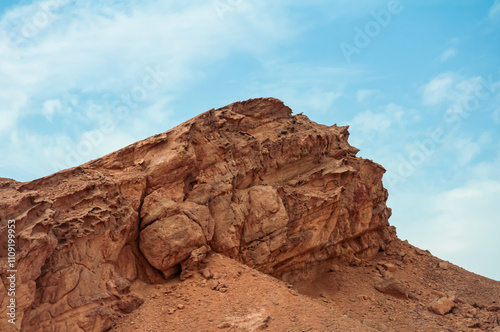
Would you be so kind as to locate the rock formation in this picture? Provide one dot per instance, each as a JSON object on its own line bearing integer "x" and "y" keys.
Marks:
{"x": 251, "y": 181}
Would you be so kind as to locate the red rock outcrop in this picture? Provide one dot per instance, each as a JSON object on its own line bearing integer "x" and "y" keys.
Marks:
{"x": 272, "y": 190}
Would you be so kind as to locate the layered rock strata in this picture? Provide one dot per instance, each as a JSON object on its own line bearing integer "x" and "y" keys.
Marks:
{"x": 270, "y": 189}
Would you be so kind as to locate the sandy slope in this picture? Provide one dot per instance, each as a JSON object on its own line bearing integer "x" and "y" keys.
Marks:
{"x": 320, "y": 299}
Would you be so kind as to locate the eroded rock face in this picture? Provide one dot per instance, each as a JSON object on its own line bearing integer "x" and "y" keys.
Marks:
{"x": 273, "y": 190}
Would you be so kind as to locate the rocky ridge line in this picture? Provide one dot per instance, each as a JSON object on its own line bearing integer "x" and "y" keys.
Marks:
{"x": 272, "y": 190}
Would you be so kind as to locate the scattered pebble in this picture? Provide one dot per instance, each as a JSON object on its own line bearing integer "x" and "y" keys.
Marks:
{"x": 334, "y": 268}
{"x": 213, "y": 284}
{"x": 389, "y": 267}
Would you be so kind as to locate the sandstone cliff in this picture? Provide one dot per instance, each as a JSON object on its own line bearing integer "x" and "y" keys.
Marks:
{"x": 272, "y": 190}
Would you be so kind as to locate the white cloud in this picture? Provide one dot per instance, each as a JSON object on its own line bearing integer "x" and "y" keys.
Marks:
{"x": 448, "y": 54}
{"x": 50, "y": 107}
{"x": 368, "y": 121}
{"x": 494, "y": 10}
{"x": 459, "y": 224}
{"x": 103, "y": 47}
{"x": 82, "y": 43}
{"x": 303, "y": 100}
{"x": 345, "y": 7}
{"x": 89, "y": 54}
{"x": 396, "y": 112}
{"x": 11, "y": 104}
{"x": 363, "y": 95}
{"x": 321, "y": 101}
{"x": 466, "y": 150}
{"x": 465, "y": 223}
{"x": 110, "y": 142}
{"x": 487, "y": 169}
{"x": 439, "y": 89}
{"x": 22, "y": 149}
{"x": 9, "y": 119}
{"x": 298, "y": 85}
{"x": 496, "y": 115}
{"x": 453, "y": 90}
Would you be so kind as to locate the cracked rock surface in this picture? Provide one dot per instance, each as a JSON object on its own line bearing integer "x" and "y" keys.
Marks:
{"x": 251, "y": 181}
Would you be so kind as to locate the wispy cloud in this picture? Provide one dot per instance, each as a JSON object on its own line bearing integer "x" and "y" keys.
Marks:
{"x": 466, "y": 150}
{"x": 12, "y": 101}
{"x": 304, "y": 87}
{"x": 494, "y": 11}
{"x": 454, "y": 90}
{"x": 369, "y": 122}
{"x": 448, "y": 54}
{"x": 88, "y": 57}
{"x": 364, "y": 95}
{"x": 314, "y": 101}
{"x": 50, "y": 107}
{"x": 496, "y": 115}
{"x": 439, "y": 89}
{"x": 321, "y": 101}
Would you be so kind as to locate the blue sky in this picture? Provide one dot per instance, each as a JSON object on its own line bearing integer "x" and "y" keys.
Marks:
{"x": 417, "y": 81}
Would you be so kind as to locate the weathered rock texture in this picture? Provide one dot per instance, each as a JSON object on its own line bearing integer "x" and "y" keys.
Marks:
{"x": 272, "y": 190}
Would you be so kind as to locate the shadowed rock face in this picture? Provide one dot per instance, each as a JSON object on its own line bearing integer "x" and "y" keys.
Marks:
{"x": 272, "y": 190}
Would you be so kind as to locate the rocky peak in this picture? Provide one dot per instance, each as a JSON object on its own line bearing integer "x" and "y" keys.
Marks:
{"x": 251, "y": 181}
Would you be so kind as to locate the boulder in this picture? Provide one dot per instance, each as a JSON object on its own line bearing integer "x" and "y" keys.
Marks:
{"x": 442, "y": 306}
{"x": 393, "y": 287}
{"x": 170, "y": 241}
